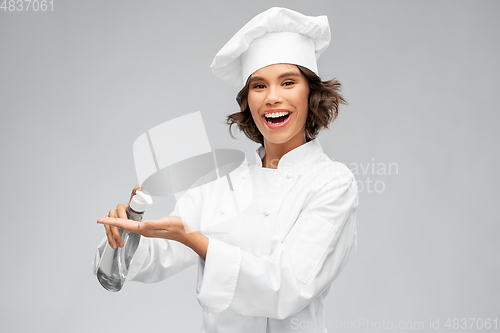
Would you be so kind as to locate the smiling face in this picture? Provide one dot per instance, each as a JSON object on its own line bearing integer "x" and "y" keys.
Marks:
{"x": 278, "y": 100}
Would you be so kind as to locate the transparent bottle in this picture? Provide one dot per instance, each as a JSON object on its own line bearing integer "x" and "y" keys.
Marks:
{"x": 114, "y": 263}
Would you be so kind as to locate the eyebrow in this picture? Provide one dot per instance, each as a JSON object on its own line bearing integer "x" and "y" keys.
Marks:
{"x": 287, "y": 74}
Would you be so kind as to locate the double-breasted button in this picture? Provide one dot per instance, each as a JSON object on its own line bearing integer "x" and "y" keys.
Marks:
{"x": 267, "y": 212}
{"x": 243, "y": 175}
{"x": 289, "y": 176}
{"x": 222, "y": 211}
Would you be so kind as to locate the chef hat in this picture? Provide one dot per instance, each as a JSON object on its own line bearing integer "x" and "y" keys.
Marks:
{"x": 278, "y": 35}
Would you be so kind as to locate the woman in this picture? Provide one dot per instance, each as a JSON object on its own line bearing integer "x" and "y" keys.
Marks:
{"x": 268, "y": 267}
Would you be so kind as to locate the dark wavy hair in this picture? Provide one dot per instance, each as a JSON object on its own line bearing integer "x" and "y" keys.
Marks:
{"x": 324, "y": 101}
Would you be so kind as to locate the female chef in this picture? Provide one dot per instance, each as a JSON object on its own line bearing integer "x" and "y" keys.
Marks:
{"x": 268, "y": 267}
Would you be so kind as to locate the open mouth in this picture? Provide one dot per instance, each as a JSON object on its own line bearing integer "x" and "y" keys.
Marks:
{"x": 276, "y": 118}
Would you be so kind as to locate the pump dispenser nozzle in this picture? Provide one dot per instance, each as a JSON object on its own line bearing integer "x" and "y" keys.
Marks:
{"x": 140, "y": 201}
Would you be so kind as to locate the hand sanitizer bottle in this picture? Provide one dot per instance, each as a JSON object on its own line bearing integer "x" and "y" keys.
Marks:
{"x": 114, "y": 264}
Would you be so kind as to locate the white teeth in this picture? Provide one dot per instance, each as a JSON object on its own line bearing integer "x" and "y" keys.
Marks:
{"x": 276, "y": 114}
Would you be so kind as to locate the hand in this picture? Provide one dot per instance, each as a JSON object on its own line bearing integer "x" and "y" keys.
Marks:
{"x": 112, "y": 232}
{"x": 170, "y": 227}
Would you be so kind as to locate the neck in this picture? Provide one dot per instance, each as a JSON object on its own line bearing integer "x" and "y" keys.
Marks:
{"x": 274, "y": 151}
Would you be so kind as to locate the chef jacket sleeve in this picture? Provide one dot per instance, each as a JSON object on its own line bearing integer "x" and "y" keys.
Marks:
{"x": 157, "y": 259}
{"x": 297, "y": 271}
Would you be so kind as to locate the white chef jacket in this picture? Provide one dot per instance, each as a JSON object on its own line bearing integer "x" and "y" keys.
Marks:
{"x": 277, "y": 240}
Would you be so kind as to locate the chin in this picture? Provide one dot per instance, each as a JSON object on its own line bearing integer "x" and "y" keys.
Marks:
{"x": 280, "y": 138}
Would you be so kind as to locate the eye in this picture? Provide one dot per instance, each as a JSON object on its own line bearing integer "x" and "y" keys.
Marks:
{"x": 259, "y": 86}
{"x": 288, "y": 83}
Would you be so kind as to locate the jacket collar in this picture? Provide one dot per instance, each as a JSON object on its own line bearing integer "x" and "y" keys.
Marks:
{"x": 296, "y": 160}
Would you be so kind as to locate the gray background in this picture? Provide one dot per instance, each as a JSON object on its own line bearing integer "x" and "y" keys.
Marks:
{"x": 78, "y": 85}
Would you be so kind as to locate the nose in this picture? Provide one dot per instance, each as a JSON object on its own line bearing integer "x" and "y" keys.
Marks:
{"x": 273, "y": 96}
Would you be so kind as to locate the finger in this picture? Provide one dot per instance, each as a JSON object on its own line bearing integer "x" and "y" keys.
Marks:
{"x": 114, "y": 230}
{"x": 109, "y": 233}
{"x": 121, "y": 211}
{"x": 111, "y": 239}
{"x": 134, "y": 191}
{"x": 121, "y": 223}
{"x": 117, "y": 235}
